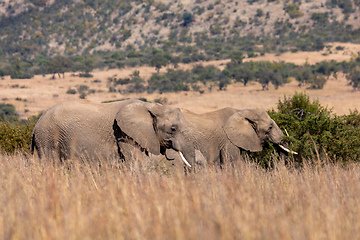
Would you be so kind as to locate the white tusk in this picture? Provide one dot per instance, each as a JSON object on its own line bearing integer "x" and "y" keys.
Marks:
{"x": 183, "y": 158}
{"x": 287, "y": 150}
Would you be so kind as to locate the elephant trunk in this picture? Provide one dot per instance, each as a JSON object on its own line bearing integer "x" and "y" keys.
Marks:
{"x": 276, "y": 136}
{"x": 185, "y": 148}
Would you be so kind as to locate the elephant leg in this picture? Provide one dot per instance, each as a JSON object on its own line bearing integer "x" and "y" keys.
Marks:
{"x": 229, "y": 154}
{"x": 130, "y": 152}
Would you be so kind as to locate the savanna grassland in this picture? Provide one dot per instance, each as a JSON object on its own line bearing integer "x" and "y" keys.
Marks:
{"x": 83, "y": 201}
{"x": 32, "y": 96}
{"x": 154, "y": 200}
{"x": 142, "y": 199}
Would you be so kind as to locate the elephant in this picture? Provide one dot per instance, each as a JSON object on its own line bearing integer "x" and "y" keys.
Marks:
{"x": 82, "y": 129}
{"x": 221, "y": 135}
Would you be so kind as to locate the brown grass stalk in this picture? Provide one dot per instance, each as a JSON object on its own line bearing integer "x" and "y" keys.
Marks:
{"x": 85, "y": 201}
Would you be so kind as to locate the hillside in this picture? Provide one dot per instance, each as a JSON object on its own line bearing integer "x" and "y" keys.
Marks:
{"x": 71, "y": 27}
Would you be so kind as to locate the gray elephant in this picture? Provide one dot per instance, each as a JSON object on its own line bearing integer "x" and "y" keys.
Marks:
{"x": 82, "y": 129}
{"x": 221, "y": 135}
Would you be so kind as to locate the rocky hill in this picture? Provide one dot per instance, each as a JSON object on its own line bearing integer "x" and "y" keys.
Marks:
{"x": 72, "y": 27}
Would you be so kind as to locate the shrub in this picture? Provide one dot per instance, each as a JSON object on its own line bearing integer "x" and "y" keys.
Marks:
{"x": 82, "y": 89}
{"x": 7, "y": 113}
{"x": 16, "y": 136}
{"x": 316, "y": 82}
{"x": 71, "y": 91}
{"x": 293, "y": 10}
{"x": 314, "y": 131}
{"x": 354, "y": 78}
{"x": 187, "y": 18}
{"x": 320, "y": 17}
{"x": 85, "y": 75}
{"x": 82, "y": 95}
{"x": 171, "y": 81}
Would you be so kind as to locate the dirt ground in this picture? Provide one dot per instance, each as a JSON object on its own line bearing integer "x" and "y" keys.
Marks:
{"x": 35, "y": 95}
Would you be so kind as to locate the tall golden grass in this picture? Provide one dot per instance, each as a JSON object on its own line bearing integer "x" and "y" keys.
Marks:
{"x": 84, "y": 201}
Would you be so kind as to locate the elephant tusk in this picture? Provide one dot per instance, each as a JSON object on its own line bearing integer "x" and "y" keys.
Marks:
{"x": 183, "y": 158}
{"x": 287, "y": 150}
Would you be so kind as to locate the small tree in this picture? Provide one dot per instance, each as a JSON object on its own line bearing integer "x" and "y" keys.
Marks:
{"x": 236, "y": 56}
{"x": 354, "y": 78}
{"x": 8, "y": 112}
{"x": 243, "y": 74}
{"x": 58, "y": 64}
{"x": 317, "y": 81}
{"x": 158, "y": 61}
{"x": 87, "y": 65}
{"x": 136, "y": 83}
{"x": 293, "y": 10}
{"x": 259, "y": 12}
{"x": 187, "y": 18}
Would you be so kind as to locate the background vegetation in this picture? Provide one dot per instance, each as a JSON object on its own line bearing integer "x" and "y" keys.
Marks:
{"x": 40, "y": 37}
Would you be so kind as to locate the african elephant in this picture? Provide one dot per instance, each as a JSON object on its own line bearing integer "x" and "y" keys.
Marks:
{"x": 84, "y": 129}
{"x": 221, "y": 135}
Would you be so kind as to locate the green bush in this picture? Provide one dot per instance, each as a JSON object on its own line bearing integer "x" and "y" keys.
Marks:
{"x": 171, "y": 81}
{"x": 16, "y": 136}
{"x": 293, "y": 10}
{"x": 71, "y": 91}
{"x": 82, "y": 88}
{"x": 315, "y": 132}
{"x": 7, "y": 112}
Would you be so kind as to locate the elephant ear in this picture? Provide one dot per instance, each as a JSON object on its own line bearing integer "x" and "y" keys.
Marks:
{"x": 241, "y": 132}
{"x": 137, "y": 122}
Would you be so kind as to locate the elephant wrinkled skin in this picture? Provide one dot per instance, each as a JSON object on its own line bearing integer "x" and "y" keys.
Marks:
{"x": 82, "y": 129}
{"x": 221, "y": 135}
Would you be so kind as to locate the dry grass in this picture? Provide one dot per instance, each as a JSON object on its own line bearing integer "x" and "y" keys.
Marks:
{"x": 40, "y": 201}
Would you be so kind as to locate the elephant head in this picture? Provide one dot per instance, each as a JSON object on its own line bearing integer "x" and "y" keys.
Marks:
{"x": 154, "y": 128}
{"x": 250, "y": 129}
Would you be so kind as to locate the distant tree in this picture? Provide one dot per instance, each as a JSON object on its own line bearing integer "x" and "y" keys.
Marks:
{"x": 7, "y": 112}
{"x": 293, "y": 10}
{"x": 317, "y": 81}
{"x": 215, "y": 29}
{"x": 224, "y": 80}
{"x": 259, "y": 12}
{"x": 302, "y": 74}
{"x": 158, "y": 60}
{"x": 19, "y": 69}
{"x": 264, "y": 75}
{"x": 242, "y": 73}
{"x": 126, "y": 33}
{"x": 40, "y": 3}
{"x": 171, "y": 81}
{"x": 318, "y": 44}
{"x": 345, "y": 5}
{"x": 327, "y": 68}
{"x": 187, "y": 18}
{"x": 136, "y": 83}
{"x": 320, "y": 17}
{"x": 59, "y": 64}
{"x": 236, "y": 56}
{"x": 354, "y": 78}
{"x": 87, "y": 64}
{"x": 175, "y": 60}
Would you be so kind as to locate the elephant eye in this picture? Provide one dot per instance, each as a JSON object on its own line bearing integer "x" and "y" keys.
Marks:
{"x": 173, "y": 128}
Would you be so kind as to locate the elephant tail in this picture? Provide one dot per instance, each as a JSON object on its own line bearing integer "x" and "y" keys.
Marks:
{"x": 33, "y": 143}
